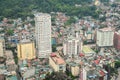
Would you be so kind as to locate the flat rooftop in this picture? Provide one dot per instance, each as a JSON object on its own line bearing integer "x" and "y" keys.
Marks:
{"x": 41, "y": 14}
{"x": 87, "y": 49}
{"x": 107, "y": 29}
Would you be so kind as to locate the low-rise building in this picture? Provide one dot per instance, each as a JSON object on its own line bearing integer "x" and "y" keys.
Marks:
{"x": 33, "y": 69}
{"x": 74, "y": 68}
{"x": 57, "y": 62}
{"x": 93, "y": 73}
{"x": 11, "y": 78}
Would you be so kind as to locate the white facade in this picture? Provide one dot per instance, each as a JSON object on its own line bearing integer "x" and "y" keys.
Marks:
{"x": 2, "y": 47}
{"x": 84, "y": 74}
{"x": 105, "y": 37}
{"x": 72, "y": 46}
{"x": 43, "y": 34}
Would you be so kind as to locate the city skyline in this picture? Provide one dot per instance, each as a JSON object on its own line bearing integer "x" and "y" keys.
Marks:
{"x": 60, "y": 40}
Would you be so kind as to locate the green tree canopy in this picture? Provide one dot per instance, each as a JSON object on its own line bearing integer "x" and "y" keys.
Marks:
{"x": 23, "y": 8}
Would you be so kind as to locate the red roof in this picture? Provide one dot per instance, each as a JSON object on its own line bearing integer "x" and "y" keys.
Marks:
{"x": 96, "y": 61}
{"x": 101, "y": 73}
{"x": 99, "y": 57}
{"x": 81, "y": 55}
{"x": 53, "y": 55}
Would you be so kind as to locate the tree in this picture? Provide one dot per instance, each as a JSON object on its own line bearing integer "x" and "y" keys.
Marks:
{"x": 57, "y": 76}
{"x": 54, "y": 48}
{"x": 117, "y": 64}
{"x": 70, "y": 21}
{"x": 111, "y": 71}
{"x": 9, "y": 32}
{"x": 23, "y": 8}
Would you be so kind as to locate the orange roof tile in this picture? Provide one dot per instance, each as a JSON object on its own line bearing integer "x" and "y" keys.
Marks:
{"x": 96, "y": 61}
{"x": 101, "y": 73}
{"x": 81, "y": 55}
{"x": 58, "y": 60}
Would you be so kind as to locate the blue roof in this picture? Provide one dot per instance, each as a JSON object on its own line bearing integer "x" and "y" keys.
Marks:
{"x": 53, "y": 41}
{"x": 12, "y": 78}
{"x": 89, "y": 32}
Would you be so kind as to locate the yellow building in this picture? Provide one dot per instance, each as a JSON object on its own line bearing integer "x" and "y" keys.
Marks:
{"x": 26, "y": 50}
{"x": 57, "y": 63}
{"x": 75, "y": 70}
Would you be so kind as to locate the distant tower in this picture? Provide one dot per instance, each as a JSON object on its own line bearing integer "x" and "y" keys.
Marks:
{"x": 2, "y": 47}
{"x": 43, "y": 34}
{"x": 105, "y": 37}
{"x": 72, "y": 46}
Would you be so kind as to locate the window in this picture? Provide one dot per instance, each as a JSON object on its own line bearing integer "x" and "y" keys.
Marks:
{"x": 61, "y": 67}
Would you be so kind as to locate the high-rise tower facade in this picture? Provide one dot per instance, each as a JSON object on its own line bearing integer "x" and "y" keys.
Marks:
{"x": 2, "y": 47}
{"x": 72, "y": 46}
{"x": 43, "y": 34}
{"x": 105, "y": 37}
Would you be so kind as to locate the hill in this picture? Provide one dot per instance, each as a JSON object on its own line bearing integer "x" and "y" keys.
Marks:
{"x": 23, "y": 8}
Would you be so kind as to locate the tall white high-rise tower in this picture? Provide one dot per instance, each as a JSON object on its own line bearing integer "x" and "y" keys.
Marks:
{"x": 2, "y": 47}
{"x": 43, "y": 34}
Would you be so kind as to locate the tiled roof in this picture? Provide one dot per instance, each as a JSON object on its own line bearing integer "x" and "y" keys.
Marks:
{"x": 101, "y": 73}
{"x": 81, "y": 55}
{"x": 96, "y": 61}
{"x": 57, "y": 59}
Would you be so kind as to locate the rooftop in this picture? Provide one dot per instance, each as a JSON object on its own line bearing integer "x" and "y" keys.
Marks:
{"x": 30, "y": 72}
{"x": 57, "y": 59}
{"x": 87, "y": 49}
{"x": 12, "y": 78}
{"x": 41, "y": 14}
{"x": 73, "y": 64}
{"x": 25, "y": 41}
{"x": 1, "y": 38}
{"x": 107, "y": 29}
